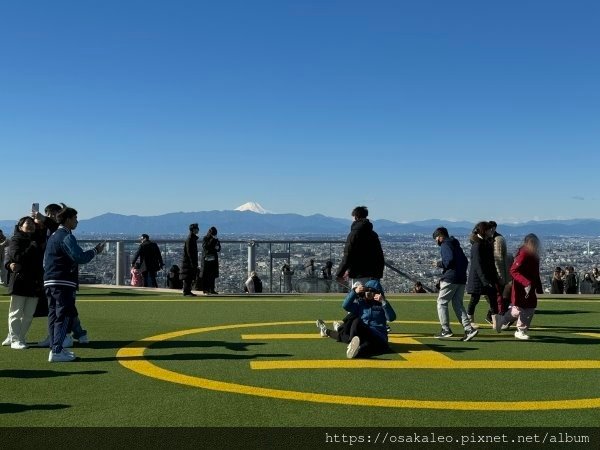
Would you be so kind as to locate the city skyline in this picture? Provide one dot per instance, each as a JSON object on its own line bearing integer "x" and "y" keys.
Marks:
{"x": 456, "y": 111}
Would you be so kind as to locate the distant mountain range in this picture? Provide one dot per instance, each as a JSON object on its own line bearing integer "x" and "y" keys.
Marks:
{"x": 254, "y": 223}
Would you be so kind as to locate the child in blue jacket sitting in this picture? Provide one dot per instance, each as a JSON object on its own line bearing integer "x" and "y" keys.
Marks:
{"x": 364, "y": 329}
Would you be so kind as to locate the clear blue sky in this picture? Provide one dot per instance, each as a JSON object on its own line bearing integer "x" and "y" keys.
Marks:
{"x": 418, "y": 109}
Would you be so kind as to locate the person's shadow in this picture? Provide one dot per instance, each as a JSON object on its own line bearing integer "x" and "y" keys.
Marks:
{"x": 12, "y": 408}
{"x": 28, "y": 374}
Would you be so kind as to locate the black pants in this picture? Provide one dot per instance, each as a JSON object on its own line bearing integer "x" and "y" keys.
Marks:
{"x": 149, "y": 278}
{"x": 370, "y": 344}
{"x": 188, "y": 281}
{"x": 490, "y": 295}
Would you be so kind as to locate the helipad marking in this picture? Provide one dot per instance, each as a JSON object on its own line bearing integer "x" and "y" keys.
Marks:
{"x": 132, "y": 357}
{"x": 594, "y": 335}
{"x": 419, "y": 357}
{"x": 423, "y": 363}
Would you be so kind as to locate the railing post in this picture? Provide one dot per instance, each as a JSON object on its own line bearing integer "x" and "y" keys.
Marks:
{"x": 120, "y": 252}
{"x": 251, "y": 257}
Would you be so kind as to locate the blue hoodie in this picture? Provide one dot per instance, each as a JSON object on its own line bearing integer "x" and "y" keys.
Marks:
{"x": 454, "y": 262}
{"x": 372, "y": 313}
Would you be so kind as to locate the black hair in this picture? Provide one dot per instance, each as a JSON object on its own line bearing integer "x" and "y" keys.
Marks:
{"x": 360, "y": 212}
{"x": 493, "y": 224}
{"x": 65, "y": 213}
{"x": 441, "y": 231}
{"x": 145, "y": 236}
{"x": 194, "y": 226}
{"x": 52, "y": 208}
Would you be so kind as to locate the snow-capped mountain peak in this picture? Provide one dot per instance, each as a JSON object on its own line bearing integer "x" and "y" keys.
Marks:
{"x": 252, "y": 206}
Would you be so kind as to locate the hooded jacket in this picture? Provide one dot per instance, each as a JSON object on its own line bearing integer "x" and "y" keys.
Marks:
{"x": 373, "y": 314}
{"x": 363, "y": 255}
{"x": 454, "y": 262}
{"x": 24, "y": 251}
{"x": 482, "y": 271}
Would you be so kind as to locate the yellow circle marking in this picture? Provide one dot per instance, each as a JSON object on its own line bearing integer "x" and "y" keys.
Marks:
{"x": 132, "y": 357}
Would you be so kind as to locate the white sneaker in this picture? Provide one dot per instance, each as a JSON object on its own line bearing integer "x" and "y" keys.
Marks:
{"x": 322, "y": 327}
{"x": 337, "y": 325}
{"x": 85, "y": 339}
{"x": 68, "y": 342}
{"x": 18, "y": 345}
{"x": 521, "y": 335}
{"x": 63, "y": 356}
{"x": 353, "y": 347}
{"x": 45, "y": 343}
{"x": 6, "y": 342}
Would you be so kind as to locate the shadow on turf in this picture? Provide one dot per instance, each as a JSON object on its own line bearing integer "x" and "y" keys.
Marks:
{"x": 564, "y": 340}
{"x": 116, "y": 294}
{"x": 11, "y": 408}
{"x": 562, "y": 312}
{"x": 188, "y": 357}
{"x": 20, "y": 373}
{"x": 234, "y": 346}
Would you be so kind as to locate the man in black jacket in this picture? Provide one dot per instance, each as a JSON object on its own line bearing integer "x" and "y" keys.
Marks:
{"x": 150, "y": 260}
{"x": 363, "y": 255}
{"x": 189, "y": 265}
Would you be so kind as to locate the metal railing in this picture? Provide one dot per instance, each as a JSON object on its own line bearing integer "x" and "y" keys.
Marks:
{"x": 237, "y": 259}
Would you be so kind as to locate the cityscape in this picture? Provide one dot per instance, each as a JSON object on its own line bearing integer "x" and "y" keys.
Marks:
{"x": 414, "y": 255}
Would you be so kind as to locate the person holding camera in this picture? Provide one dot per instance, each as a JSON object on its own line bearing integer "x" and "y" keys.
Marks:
{"x": 364, "y": 329}
{"x": 25, "y": 263}
{"x": 61, "y": 267}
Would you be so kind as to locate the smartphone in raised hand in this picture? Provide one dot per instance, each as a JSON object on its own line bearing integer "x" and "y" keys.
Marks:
{"x": 35, "y": 208}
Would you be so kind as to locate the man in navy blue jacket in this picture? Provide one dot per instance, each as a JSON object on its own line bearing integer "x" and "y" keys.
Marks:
{"x": 61, "y": 280}
{"x": 452, "y": 284}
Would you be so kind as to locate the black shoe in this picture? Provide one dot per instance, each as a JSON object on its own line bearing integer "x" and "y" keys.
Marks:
{"x": 443, "y": 334}
{"x": 214, "y": 292}
{"x": 189, "y": 294}
{"x": 470, "y": 334}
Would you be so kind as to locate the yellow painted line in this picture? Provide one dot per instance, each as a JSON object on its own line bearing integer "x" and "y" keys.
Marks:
{"x": 277, "y": 337}
{"x": 132, "y": 357}
{"x": 315, "y": 335}
{"x": 419, "y": 353}
{"x": 424, "y": 363}
{"x": 594, "y": 335}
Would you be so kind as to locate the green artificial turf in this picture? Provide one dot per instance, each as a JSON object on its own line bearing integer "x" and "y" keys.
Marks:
{"x": 98, "y": 391}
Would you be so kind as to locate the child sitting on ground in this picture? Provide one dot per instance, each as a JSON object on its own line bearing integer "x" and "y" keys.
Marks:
{"x": 364, "y": 329}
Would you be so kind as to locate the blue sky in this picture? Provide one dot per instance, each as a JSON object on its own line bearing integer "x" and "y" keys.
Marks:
{"x": 428, "y": 109}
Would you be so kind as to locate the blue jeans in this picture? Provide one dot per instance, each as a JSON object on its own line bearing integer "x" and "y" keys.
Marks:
{"x": 454, "y": 293}
{"x": 77, "y": 329}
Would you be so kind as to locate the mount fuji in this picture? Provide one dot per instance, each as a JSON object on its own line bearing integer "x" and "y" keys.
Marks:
{"x": 253, "y": 207}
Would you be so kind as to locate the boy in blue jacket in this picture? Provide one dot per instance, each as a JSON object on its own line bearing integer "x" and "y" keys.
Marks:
{"x": 365, "y": 327}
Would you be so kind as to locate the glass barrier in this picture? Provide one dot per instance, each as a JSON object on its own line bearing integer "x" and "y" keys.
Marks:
{"x": 414, "y": 256}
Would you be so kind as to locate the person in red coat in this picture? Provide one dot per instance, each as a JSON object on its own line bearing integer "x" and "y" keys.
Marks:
{"x": 525, "y": 271}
